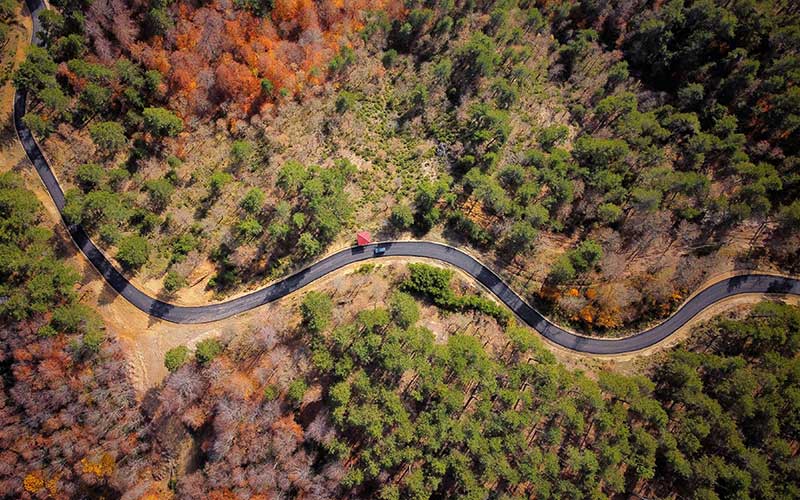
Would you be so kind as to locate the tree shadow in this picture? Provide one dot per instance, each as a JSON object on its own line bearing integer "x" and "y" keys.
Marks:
{"x": 8, "y": 134}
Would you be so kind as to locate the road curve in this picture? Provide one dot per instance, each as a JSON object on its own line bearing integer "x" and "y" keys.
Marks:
{"x": 753, "y": 283}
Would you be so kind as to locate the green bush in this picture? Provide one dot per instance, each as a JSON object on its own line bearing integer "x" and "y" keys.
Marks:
{"x": 176, "y": 357}
{"x": 271, "y": 392}
{"x": 207, "y": 350}
{"x": 173, "y": 282}
{"x": 297, "y": 389}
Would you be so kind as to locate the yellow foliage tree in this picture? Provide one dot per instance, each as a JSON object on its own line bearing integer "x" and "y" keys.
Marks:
{"x": 101, "y": 466}
{"x": 34, "y": 481}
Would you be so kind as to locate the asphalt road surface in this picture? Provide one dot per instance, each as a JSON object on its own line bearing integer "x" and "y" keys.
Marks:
{"x": 753, "y": 283}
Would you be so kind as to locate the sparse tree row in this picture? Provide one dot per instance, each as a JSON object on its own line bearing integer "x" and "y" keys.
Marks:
{"x": 377, "y": 408}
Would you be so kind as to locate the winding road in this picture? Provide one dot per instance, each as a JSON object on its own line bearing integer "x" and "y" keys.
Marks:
{"x": 752, "y": 283}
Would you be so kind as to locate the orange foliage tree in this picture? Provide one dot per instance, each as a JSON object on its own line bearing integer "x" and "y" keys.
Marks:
{"x": 215, "y": 57}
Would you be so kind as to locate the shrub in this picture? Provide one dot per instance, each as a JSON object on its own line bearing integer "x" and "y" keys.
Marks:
{"x": 173, "y": 281}
{"x": 176, "y": 357}
{"x": 207, "y": 350}
{"x": 297, "y": 389}
{"x": 270, "y": 392}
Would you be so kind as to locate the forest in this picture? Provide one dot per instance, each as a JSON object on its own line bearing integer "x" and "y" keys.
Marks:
{"x": 602, "y": 155}
{"x": 376, "y": 407}
{"x": 607, "y": 158}
{"x": 372, "y": 405}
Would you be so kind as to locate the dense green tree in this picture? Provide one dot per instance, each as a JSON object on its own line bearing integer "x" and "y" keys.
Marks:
{"x": 158, "y": 22}
{"x": 38, "y": 125}
{"x": 562, "y": 271}
{"x": 173, "y": 282}
{"x": 253, "y": 201}
{"x": 478, "y": 57}
{"x": 159, "y": 191}
{"x": 216, "y": 182}
{"x": 297, "y": 389}
{"x": 609, "y": 213}
{"x": 552, "y": 136}
{"x": 521, "y": 237}
{"x": 108, "y": 136}
{"x": 405, "y": 311}
{"x": 317, "y": 310}
{"x": 249, "y": 229}
{"x": 7, "y": 9}
{"x": 54, "y": 98}
{"x": 94, "y": 99}
{"x": 308, "y": 245}
{"x": 402, "y": 217}
{"x": 134, "y": 252}
{"x": 241, "y": 152}
{"x": 161, "y": 122}
{"x": 37, "y": 71}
